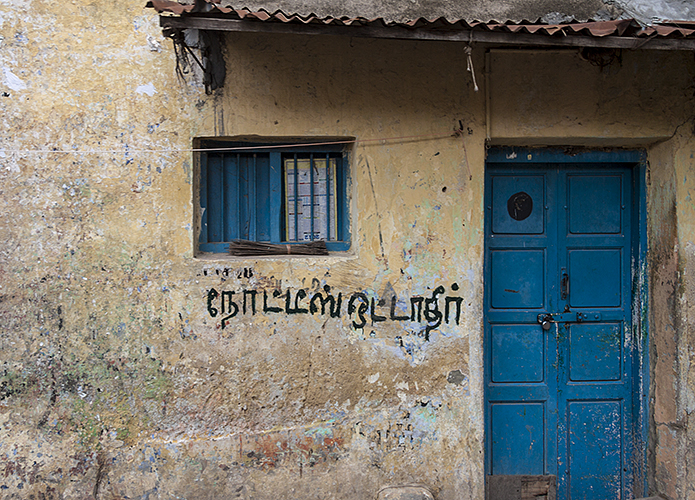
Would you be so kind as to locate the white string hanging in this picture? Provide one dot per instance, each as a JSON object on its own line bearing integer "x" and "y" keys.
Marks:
{"x": 469, "y": 51}
{"x": 132, "y": 152}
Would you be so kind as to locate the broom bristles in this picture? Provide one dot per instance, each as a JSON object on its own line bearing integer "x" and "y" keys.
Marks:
{"x": 245, "y": 248}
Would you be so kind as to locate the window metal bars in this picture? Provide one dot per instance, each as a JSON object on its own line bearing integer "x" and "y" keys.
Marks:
{"x": 296, "y": 200}
{"x": 243, "y": 189}
{"x": 306, "y": 198}
{"x": 311, "y": 197}
{"x": 251, "y": 200}
{"x": 328, "y": 197}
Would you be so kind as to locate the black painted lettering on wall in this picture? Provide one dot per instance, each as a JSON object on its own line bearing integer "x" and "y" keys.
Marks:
{"x": 448, "y": 301}
{"x": 333, "y": 304}
{"x": 300, "y": 295}
{"x": 266, "y": 307}
{"x": 375, "y": 317}
{"x": 432, "y": 313}
{"x": 246, "y": 272}
{"x": 212, "y": 295}
{"x": 393, "y": 315}
{"x": 413, "y": 302}
{"x": 252, "y": 294}
{"x": 229, "y": 306}
{"x": 361, "y": 308}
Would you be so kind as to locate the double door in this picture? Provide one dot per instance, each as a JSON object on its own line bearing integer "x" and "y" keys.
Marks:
{"x": 559, "y": 354}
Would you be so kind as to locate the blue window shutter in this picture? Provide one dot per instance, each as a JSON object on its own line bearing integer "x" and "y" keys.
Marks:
{"x": 215, "y": 198}
{"x": 231, "y": 198}
{"x": 275, "y": 197}
{"x": 246, "y": 181}
{"x": 328, "y": 197}
{"x": 262, "y": 198}
{"x": 242, "y": 197}
{"x": 203, "y": 198}
{"x": 252, "y": 193}
{"x": 342, "y": 208}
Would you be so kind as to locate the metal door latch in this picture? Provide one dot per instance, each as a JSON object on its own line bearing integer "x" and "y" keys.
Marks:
{"x": 564, "y": 285}
{"x": 588, "y": 317}
{"x": 545, "y": 321}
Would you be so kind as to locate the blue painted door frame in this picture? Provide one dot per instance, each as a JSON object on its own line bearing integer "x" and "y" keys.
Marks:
{"x": 565, "y": 340}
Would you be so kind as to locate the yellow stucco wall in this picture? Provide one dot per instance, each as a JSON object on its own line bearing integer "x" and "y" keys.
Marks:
{"x": 416, "y": 222}
{"x": 672, "y": 298}
{"x": 116, "y": 379}
{"x": 565, "y": 97}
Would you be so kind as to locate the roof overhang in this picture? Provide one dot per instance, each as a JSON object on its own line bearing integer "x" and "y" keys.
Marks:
{"x": 568, "y": 35}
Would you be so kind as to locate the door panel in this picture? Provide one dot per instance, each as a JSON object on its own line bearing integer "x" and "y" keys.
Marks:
{"x": 594, "y": 204}
{"x": 513, "y": 202}
{"x": 559, "y": 396}
{"x": 517, "y": 431}
{"x": 595, "y": 455}
{"x": 510, "y": 286}
{"x": 595, "y": 352}
{"x": 517, "y": 353}
{"x": 596, "y": 277}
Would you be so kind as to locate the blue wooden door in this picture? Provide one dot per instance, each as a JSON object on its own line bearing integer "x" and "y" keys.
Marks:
{"x": 559, "y": 358}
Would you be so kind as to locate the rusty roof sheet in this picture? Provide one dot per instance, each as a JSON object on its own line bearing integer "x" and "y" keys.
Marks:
{"x": 618, "y": 27}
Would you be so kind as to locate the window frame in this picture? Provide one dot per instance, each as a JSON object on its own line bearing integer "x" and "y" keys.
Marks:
{"x": 276, "y": 151}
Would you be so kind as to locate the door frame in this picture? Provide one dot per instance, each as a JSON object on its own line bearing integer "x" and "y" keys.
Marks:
{"x": 639, "y": 270}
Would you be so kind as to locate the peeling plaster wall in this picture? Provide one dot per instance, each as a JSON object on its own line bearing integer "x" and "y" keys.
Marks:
{"x": 417, "y": 224}
{"x": 117, "y": 382}
{"x": 673, "y": 343}
{"x": 664, "y": 450}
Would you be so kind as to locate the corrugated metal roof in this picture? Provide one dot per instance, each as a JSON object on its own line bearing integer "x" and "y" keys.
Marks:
{"x": 616, "y": 28}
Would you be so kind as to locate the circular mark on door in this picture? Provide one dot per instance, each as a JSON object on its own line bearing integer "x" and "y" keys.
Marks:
{"x": 519, "y": 206}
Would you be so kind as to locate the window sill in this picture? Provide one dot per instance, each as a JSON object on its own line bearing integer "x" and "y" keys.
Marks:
{"x": 224, "y": 257}
{"x": 332, "y": 246}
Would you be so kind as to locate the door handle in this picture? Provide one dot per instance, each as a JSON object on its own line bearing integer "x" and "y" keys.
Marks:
{"x": 564, "y": 285}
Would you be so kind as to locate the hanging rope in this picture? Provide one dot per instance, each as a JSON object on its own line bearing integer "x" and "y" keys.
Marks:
{"x": 469, "y": 51}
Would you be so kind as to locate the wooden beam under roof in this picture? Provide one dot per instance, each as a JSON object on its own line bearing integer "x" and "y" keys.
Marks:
{"x": 403, "y": 33}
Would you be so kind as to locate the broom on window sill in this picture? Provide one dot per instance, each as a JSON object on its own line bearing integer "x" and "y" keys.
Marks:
{"x": 245, "y": 248}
